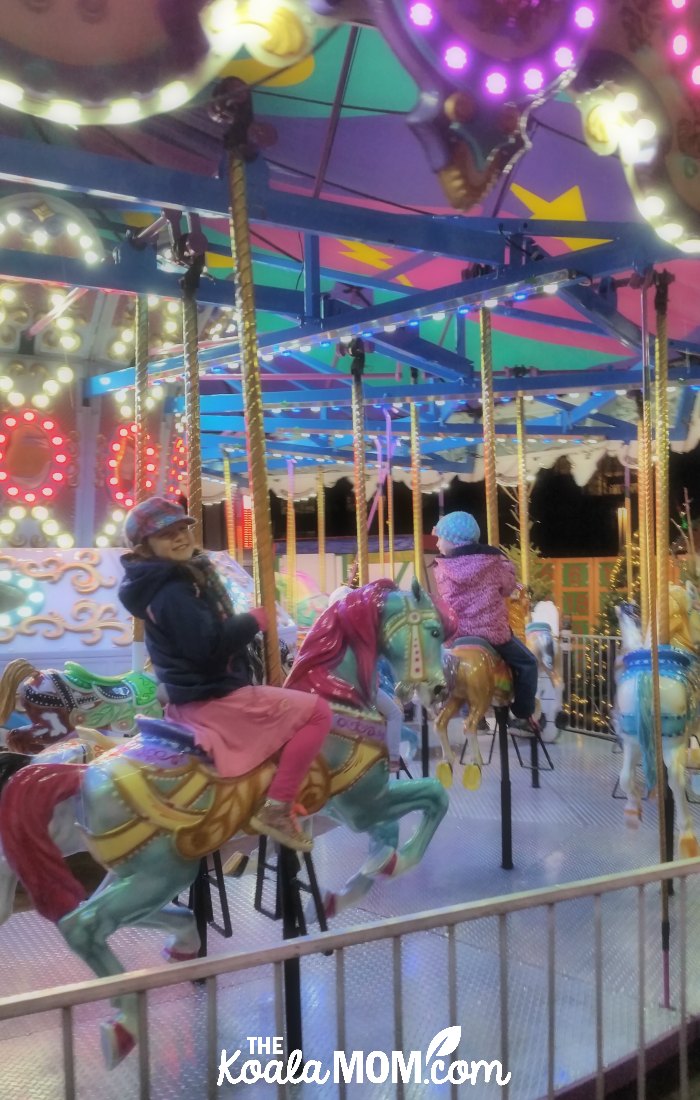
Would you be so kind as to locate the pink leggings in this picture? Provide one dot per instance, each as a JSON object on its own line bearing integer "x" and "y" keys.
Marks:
{"x": 299, "y": 752}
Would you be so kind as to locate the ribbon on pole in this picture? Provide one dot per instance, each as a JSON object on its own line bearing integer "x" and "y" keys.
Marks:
{"x": 416, "y": 495}
{"x": 523, "y": 494}
{"x": 489, "y": 423}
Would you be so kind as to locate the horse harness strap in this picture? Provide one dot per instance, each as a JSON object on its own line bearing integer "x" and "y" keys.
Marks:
{"x": 411, "y": 620}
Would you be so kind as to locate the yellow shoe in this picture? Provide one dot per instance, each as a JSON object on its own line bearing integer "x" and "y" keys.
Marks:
{"x": 277, "y": 820}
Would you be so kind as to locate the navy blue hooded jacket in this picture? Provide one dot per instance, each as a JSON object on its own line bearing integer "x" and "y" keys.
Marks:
{"x": 196, "y": 653}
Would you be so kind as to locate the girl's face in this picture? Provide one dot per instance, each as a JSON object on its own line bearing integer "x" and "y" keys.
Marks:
{"x": 174, "y": 543}
{"x": 444, "y": 547}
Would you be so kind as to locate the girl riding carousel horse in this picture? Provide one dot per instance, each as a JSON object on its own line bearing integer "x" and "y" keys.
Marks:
{"x": 198, "y": 648}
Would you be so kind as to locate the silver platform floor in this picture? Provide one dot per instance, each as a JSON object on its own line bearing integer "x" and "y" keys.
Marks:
{"x": 569, "y": 829}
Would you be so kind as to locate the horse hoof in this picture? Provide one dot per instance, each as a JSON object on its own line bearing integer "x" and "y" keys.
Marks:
{"x": 389, "y": 868}
{"x": 444, "y": 774}
{"x": 688, "y": 846}
{"x": 377, "y": 863}
{"x": 471, "y": 780}
{"x": 172, "y": 955}
{"x": 632, "y": 818}
{"x": 117, "y": 1041}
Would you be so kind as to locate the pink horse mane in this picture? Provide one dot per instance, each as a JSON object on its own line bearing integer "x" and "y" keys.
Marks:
{"x": 351, "y": 623}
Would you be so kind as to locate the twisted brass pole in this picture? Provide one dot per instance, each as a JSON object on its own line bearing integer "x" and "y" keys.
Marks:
{"x": 523, "y": 494}
{"x": 643, "y": 507}
{"x": 291, "y": 542}
{"x": 252, "y": 401}
{"x": 140, "y": 413}
{"x": 663, "y": 547}
{"x": 321, "y": 525}
{"x": 358, "y": 443}
{"x": 416, "y": 495}
{"x": 389, "y": 498}
{"x": 380, "y": 526}
{"x": 489, "y": 423}
{"x": 190, "y": 340}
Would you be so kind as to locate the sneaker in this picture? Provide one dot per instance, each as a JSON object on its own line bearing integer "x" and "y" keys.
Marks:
{"x": 278, "y": 821}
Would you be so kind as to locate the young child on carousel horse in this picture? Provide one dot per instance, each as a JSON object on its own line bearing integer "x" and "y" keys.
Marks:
{"x": 474, "y": 581}
{"x": 198, "y": 648}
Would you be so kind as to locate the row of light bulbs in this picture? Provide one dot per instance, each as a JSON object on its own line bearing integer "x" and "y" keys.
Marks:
{"x": 17, "y": 514}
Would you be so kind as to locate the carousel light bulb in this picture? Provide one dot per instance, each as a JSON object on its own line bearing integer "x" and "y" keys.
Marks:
{"x": 153, "y": 300}
{"x": 652, "y": 206}
{"x": 13, "y": 218}
{"x": 69, "y": 341}
{"x": 15, "y": 398}
{"x": 110, "y": 529}
{"x": 533, "y": 79}
{"x": 65, "y": 375}
{"x": 7, "y": 526}
{"x": 118, "y": 348}
{"x": 40, "y": 237}
{"x": 17, "y": 513}
{"x": 40, "y": 401}
{"x": 91, "y": 257}
{"x": 584, "y": 17}
{"x": 51, "y": 387}
{"x": 64, "y": 323}
{"x": 173, "y": 307}
{"x": 65, "y": 541}
{"x": 496, "y": 83}
{"x": 126, "y": 411}
{"x": 670, "y": 232}
{"x": 645, "y": 129}
{"x": 128, "y": 335}
{"x": 8, "y": 294}
{"x": 86, "y": 241}
{"x": 101, "y": 541}
{"x": 120, "y": 397}
{"x": 125, "y": 110}
{"x": 6, "y": 383}
{"x": 626, "y": 102}
{"x": 550, "y": 288}
{"x": 170, "y": 326}
{"x": 10, "y": 94}
{"x": 40, "y": 512}
{"x": 66, "y": 111}
{"x": 72, "y": 229}
{"x": 173, "y": 95}
{"x": 694, "y": 76}
{"x": 680, "y": 44}
{"x": 456, "y": 58}
{"x": 421, "y": 14}
{"x": 564, "y": 57}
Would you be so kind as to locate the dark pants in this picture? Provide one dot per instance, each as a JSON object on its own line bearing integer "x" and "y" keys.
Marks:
{"x": 524, "y": 667}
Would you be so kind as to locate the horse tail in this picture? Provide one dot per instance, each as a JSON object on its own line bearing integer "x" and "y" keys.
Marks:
{"x": 645, "y": 728}
{"x": 26, "y": 808}
{"x": 15, "y": 672}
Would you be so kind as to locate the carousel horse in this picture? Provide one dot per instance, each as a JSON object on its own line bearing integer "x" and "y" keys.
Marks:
{"x": 58, "y": 702}
{"x": 475, "y": 675}
{"x": 679, "y": 682}
{"x": 152, "y": 807}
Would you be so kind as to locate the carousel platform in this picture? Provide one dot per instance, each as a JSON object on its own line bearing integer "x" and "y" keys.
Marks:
{"x": 569, "y": 829}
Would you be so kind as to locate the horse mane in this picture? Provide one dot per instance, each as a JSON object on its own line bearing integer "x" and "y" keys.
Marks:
{"x": 352, "y": 623}
{"x": 680, "y": 620}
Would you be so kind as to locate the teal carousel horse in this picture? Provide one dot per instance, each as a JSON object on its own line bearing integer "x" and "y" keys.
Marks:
{"x": 153, "y": 806}
{"x": 679, "y": 682}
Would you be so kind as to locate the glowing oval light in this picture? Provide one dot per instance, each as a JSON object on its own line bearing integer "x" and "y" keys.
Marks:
{"x": 670, "y": 232}
{"x": 496, "y": 83}
{"x": 652, "y": 206}
{"x": 678, "y": 4}
{"x": 645, "y": 129}
{"x": 584, "y": 17}
{"x": 455, "y": 57}
{"x": 695, "y": 74}
{"x": 680, "y": 44}
{"x": 533, "y": 79}
{"x": 421, "y": 14}
{"x": 10, "y": 94}
{"x": 626, "y": 101}
{"x": 66, "y": 111}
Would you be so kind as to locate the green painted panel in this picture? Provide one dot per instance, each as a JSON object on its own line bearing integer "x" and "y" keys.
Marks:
{"x": 575, "y": 575}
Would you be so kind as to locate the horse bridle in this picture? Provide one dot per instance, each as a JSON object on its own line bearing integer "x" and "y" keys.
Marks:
{"x": 410, "y": 619}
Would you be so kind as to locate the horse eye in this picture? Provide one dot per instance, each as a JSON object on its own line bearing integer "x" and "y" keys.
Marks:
{"x": 435, "y": 633}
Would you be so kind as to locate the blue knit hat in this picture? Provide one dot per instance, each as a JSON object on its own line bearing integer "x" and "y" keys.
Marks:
{"x": 150, "y": 517}
{"x": 459, "y": 528}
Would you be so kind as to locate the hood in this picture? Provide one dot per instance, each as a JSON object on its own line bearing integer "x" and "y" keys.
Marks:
{"x": 453, "y": 563}
{"x": 143, "y": 578}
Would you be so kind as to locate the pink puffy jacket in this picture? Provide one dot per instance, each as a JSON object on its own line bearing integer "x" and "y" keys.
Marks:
{"x": 474, "y": 583}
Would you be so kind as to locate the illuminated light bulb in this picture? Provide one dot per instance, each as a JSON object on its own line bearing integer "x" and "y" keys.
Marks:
{"x": 40, "y": 512}
{"x": 110, "y": 529}
{"x": 678, "y": 4}
{"x": 13, "y": 218}
{"x": 550, "y": 288}
{"x": 48, "y": 425}
{"x": 50, "y": 527}
{"x": 118, "y": 348}
{"x": 65, "y": 375}
{"x": 24, "y": 610}
{"x": 533, "y": 79}
{"x": 490, "y": 303}
{"x": 118, "y": 515}
{"x": 645, "y": 129}
{"x": 86, "y": 241}
{"x": 66, "y": 111}
{"x": 8, "y": 294}
{"x": 456, "y": 57}
{"x": 652, "y": 206}
{"x": 694, "y": 76}
{"x": 91, "y": 257}
{"x": 29, "y": 416}
{"x": 496, "y": 83}
{"x": 691, "y": 245}
{"x": 584, "y": 17}
{"x": 61, "y": 459}
{"x": 65, "y": 541}
{"x": 51, "y": 387}
{"x": 125, "y": 410}
{"x": 30, "y": 497}
{"x": 173, "y": 307}
{"x": 7, "y": 526}
{"x": 128, "y": 335}
{"x": 125, "y": 110}
{"x": 57, "y": 477}
{"x": 153, "y": 300}
{"x": 73, "y": 230}
{"x": 69, "y": 341}
{"x": 6, "y": 383}
{"x": 421, "y": 14}
{"x": 15, "y": 398}
{"x": 150, "y": 403}
{"x": 173, "y": 95}
{"x": 64, "y": 323}
{"x": 101, "y": 541}
{"x": 10, "y": 94}
{"x": 670, "y": 232}
{"x": 680, "y": 44}
{"x": 56, "y": 299}
{"x": 40, "y": 237}
{"x": 120, "y": 397}
{"x": 626, "y": 102}
{"x": 36, "y": 597}
{"x": 17, "y": 513}
{"x": 170, "y": 326}
{"x": 564, "y": 57}
{"x": 56, "y": 440}
{"x": 12, "y": 491}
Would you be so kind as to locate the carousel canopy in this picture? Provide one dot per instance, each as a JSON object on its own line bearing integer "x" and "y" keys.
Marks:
{"x": 411, "y": 163}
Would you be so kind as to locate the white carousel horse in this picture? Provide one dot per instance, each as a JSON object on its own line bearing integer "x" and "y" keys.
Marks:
{"x": 679, "y": 682}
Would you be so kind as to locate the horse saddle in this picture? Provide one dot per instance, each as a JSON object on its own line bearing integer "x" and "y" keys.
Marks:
{"x": 476, "y": 641}
{"x": 83, "y": 678}
{"x": 172, "y": 733}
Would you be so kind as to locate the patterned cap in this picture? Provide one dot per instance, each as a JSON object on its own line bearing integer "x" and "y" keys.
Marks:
{"x": 150, "y": 517}
{"x": 459, "y": 528}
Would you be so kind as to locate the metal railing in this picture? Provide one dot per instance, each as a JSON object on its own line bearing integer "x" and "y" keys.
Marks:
{"x": 448, "y": 922}
{"x": 588, "y": 671}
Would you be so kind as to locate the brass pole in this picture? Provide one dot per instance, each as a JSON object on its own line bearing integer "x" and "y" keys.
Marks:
{"x": 663, "y": 547}
{"x": 523, "y": 494}
{"x": 228, "y": 508}
{"x": 628, "y": 534}
{"x": 358, "y": 444}
{"x": 416, "y": 494}
{"x": 389, "y": 498}
{"x": 232, "y": 105}
{"x": 380, "y": 525}
{"x": 321, "y": 524}
{"x": 190, "y": 339}
{"x": 140, "y": 414}
{"x": 643, "y": 507}
{"x": 291, "y": 542}
{"x": 489, "y": 422}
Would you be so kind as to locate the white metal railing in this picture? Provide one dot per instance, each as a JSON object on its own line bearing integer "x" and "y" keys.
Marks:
{"x": 447, "y": 921}
{"x": 588, "y": 670}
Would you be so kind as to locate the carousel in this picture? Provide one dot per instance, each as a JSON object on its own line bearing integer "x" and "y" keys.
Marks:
{"x": 248, "y": 247}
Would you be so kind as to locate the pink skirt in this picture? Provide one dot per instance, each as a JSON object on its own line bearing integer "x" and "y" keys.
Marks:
{"x": 244, "y": 728}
